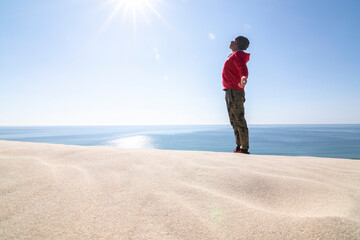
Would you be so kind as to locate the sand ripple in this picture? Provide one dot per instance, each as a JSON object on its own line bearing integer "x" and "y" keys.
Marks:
{"x": 68, "y": 192}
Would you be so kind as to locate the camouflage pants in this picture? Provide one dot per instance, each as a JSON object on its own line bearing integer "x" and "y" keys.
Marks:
{"x": 235, "y": 105}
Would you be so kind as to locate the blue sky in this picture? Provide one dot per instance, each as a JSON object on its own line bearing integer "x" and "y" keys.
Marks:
{"x": 77, "y": 62}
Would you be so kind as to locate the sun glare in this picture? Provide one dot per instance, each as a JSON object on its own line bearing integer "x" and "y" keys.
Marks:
{"x": 133, "y": 8}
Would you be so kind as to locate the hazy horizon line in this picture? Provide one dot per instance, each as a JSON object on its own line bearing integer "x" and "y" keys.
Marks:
{"x": 195, "y": 124}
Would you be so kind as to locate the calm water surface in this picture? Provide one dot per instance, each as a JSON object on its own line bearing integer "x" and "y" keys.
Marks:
{"x": 337, "y": 141}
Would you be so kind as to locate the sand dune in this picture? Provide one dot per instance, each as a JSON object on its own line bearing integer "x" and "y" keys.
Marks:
{"x": 50, "y": 191}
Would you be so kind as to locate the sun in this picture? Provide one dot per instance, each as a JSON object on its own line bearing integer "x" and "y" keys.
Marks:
{"x": 136, "y": 4}
{"x": 133, "y": 7}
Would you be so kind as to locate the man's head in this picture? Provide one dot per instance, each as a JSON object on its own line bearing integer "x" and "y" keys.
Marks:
{"x": 240, "y": 43}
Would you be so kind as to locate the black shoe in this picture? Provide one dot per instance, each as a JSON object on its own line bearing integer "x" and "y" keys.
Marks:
{"x": 244, "y": 151}
{"x": 239, "y": 150}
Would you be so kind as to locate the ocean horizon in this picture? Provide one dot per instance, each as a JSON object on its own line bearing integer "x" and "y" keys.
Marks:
{"x": 318, "y": 140}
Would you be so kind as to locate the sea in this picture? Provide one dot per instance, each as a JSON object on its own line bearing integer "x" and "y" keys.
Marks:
{"x": 334, "y": 141}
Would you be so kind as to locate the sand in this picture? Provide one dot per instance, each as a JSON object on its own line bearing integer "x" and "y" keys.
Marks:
{"x": 50, "y": 191}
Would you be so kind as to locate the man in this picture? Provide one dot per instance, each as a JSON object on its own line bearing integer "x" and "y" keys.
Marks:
{"x": 234, "y": 78}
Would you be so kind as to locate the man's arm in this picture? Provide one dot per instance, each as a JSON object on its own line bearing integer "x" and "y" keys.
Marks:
{"x": 240, "y": 65}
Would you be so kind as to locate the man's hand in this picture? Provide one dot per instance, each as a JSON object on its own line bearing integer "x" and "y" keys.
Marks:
{"x": 243, "y": 82}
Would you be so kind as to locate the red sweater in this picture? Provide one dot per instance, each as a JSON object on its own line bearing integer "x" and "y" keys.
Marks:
{"x": 235, "y": 68}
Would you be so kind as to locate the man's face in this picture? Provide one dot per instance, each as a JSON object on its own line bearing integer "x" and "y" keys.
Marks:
{"x": 233, "y": 46}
